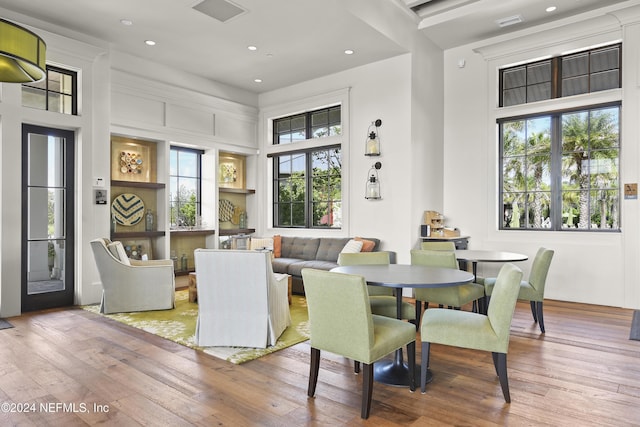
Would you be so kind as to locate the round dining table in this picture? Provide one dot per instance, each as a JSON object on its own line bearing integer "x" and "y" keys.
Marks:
{"x": 476, "y": 256}
{"x": 399, "y": 276}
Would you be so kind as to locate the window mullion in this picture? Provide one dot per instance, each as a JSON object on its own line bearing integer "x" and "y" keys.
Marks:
{"x": 556, "y": 172}
{"x": 308, "y": 196}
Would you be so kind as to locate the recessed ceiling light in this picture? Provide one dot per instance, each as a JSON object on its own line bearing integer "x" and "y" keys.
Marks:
{"x": 257, "y": 80}
{"x": 550, "y": 9}
{"x": 252, "y": 48}
{"x": 348, "y": 52}
{"x": 150, "y": 42}
{"x": 126, "y": 22}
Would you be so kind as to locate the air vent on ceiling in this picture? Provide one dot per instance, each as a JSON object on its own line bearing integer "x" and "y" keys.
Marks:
{"x": 509, "y": 20}
{"x": 221, "y": 10}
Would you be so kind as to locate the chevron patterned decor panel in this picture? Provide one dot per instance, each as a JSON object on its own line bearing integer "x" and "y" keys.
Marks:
{"x": 127, "y": 209}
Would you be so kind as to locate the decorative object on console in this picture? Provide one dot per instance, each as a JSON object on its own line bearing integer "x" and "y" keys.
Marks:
{"x": 127, "y": 209}
{"x": 22, "y": 54}
{"x": 373, "y": 183}
{"x": 372, "y": 146}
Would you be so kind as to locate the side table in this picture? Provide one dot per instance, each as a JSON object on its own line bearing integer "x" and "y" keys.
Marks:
{"x": 193, "y": 290}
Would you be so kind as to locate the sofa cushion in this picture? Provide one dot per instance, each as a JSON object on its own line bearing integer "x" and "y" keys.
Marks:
{"x": 329, "y": 249}
{"x": 281, "y": 265}
{"x": 300, "y": 247}
{"x": 295, "y": 268}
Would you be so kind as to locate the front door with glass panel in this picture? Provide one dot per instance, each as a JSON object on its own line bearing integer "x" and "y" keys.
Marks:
{"x": 47, "y": 218}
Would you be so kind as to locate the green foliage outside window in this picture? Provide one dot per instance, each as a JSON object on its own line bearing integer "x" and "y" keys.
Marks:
{"x": 568, "y": 181}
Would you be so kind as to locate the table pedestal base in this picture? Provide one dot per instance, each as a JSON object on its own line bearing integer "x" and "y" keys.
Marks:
{"x": 396, "y": 373}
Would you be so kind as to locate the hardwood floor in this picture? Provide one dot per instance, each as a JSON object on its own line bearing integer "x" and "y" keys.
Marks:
{"x": 71, "y": 367}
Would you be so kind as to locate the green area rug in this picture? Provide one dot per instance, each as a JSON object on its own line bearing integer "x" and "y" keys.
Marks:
{"x": 179, "y": 325}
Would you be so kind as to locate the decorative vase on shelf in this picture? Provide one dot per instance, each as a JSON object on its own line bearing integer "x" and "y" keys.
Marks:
{"x": 174, "y": 258}
{"x": 183, "y": 262}
{"x": 149, "y": 222}
{"x": 243, "y": 220}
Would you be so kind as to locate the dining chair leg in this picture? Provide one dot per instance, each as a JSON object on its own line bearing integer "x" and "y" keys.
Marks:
{"x": 314, "y": 368}
{"x": 540, "y": 315}
{"x": 411, "y": 356}
{"x": 500, "y": 362}
{"x": 533, "y": 311}
{"x": 419, "y": 310}
{"x": 423, "y": 367}
{"x": 367, "y": 390}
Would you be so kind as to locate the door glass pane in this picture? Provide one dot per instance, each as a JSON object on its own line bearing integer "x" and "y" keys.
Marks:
{"x": 45, "y": 269}
{"x": 45, "y": 214}
{"x": 46, "y": 155}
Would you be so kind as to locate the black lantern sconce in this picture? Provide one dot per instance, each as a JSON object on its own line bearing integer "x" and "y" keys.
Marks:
{"x": 508, "y": 214}
{"x": 372, "y": 146}
{"x": 372, "y": 191}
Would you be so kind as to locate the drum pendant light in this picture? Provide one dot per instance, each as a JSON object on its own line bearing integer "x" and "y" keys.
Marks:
{"x": 22, "y": 54}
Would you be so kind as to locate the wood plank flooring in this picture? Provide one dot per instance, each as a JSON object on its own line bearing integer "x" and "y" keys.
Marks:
{"x": 74, "y": 368}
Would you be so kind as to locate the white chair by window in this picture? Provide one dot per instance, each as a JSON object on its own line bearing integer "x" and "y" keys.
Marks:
{"x": 132, "y": 285}
{"x": 241, "y": 302}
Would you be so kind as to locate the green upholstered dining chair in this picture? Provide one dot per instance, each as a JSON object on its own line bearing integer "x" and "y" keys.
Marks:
{"x": 451, "y": 296}
{"x": 340, "y": 322}
{"x": 383, "y": 303}
{"x": 531, "y": 290}
{"x": 465, "y": 329}
{"x": 438, "y": 246}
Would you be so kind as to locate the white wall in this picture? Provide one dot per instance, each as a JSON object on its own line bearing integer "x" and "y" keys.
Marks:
{"x": 385, "y": 90}
{"x": 596, "y": 268}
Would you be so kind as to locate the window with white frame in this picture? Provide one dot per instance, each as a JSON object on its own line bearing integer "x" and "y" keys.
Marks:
{"x": 559, "y": 169}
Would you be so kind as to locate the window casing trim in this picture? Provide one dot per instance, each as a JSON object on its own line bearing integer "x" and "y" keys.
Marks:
{"x": 270, "y": 113}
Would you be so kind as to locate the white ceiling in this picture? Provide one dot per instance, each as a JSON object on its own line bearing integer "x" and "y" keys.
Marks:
{"x": 297, "y": 40}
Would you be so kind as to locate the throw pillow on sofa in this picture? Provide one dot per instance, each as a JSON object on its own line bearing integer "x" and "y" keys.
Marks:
{"x": 352, "y": 246}
{"x": 367, "y": 245}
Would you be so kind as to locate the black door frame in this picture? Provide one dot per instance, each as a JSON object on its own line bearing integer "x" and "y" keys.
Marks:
{"x": 59, "y": 298}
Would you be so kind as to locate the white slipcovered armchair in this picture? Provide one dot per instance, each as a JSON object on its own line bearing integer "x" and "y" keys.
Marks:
{"x": 132, "y": 285}
{"x": 241, "y": 302}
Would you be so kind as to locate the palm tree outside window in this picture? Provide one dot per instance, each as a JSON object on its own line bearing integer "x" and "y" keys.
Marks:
{"x": 561, "y": 171}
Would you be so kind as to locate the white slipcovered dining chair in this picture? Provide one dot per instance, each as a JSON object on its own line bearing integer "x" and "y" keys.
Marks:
{"x": 241, "y": 302}
{"x": 132, "y": 285}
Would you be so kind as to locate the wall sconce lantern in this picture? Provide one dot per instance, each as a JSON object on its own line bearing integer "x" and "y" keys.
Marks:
{"x": 22, "y": 54}
{"x": 372, "y": 146}
{"x": 372, "y": 191}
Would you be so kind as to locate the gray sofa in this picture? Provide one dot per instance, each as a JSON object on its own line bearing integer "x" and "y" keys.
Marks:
{"x": 311, "y": 252}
